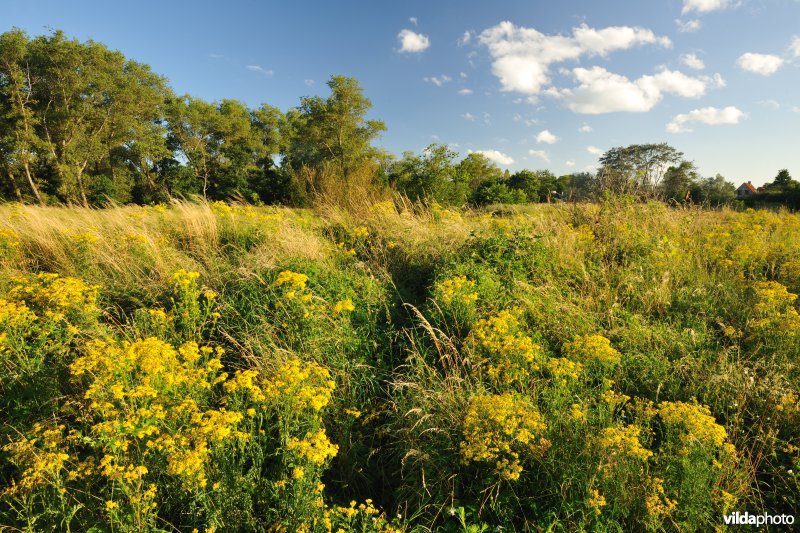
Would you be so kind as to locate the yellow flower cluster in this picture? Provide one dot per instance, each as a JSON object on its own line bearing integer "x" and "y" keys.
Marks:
{"x": 361, "y": 232}
{"x": 596, "y": 501}
{"x": 146, "y": 397}
{"x": 315, "y": 447}
{"x": 15, "y": 315}
{"x": 592, "y": 348}
{"x": 41, "y": 458}
{"x": 694, "y": 422}
{"x": 458, "y": 288}
{"x": 293, "y": 280}
{"x": 302, "y": 385}
{"x": 657, "y": 504}
{"x": 502, "y": 429}
{"x": 775, "y": 311}
{"x": 184, "y": 279}
{"x": 563, "y": 369}
{"x": 56, "y": 294}
{"x": 623, "y": 442}
{"x": 8, "y": 238}
{"x": 343, "y": 305}
{"x": 508, "y": 354}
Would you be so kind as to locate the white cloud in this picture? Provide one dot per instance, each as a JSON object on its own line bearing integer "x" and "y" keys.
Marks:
{"x": 794, "y": 47}
{"x": 585, "y": 128}
{"x": 689, "y": 26}
{"x": 764, "y": 64}
{"x": 594, "y": 150}
{"x": 692, "y": 61}
{"x": 707, "y": 115}
{"x": 796, "y": 109}
{"x": 704, "y": 6}
{"x": 545, "y": 136}
{"x": 413, "y": 20}
{"x": 412, "y": 42}
{"x": 438, "y": 81}
{"x": 465, "y": 39}
{"x": 522, "y": 56}
{"x": 495, "y": 156}
{"x": 309, "y": 82}
{"x": 465, "y": 92}
{"x": 770, "y": 104}
{"x": 601, "y": 91}
{"x": 468, "y": 116}
{"x": 570, "y": 163}
{"x": 540, "y": 154}
{"x": 259, "y": 69}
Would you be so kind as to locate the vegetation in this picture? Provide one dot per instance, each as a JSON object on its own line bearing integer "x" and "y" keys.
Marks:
{"x": 613, "y": 366}
{"x": 83, "y": 125}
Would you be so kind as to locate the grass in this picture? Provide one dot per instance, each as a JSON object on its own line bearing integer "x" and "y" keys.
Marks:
{"x": 396, "y": 366}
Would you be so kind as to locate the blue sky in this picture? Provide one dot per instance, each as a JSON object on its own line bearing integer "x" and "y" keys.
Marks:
{"x": 532, "y": 84}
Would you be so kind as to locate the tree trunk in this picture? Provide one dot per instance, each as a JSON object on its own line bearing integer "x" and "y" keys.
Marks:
{"x": 32, "y": 183}
{"x": 80, "y": 185}
{"x": 13, "y": 181}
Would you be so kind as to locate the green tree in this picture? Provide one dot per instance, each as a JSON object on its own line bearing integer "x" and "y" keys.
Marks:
{"x": 636, "y": 169}
{"x": 89, "y": 101}
{"x": 19, "y": 143}
{"x": 678, "y": 181}
{"x": 429, "y": 176}
{"x": 332, "y": 136}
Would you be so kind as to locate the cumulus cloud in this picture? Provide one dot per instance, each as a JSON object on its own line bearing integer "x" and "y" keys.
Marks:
{"x": 259, "y": 69}
{"x": 707, "y": 115}
{"x": 468, "y": 116}
{"x": 570, "y": 163}
{"x": 546, "y": 137}
{"x": 465, "y": 92}
{"x": 465, "y": 39}
{"x": 541, "y": 154}
{"x": 688, "y": 26}
{"x": 585, "y": 128}
{"x": 309, "y": 82}
{"x": 704, "y": 6}
{"x": 600, "y": 91}
{"x": 522, "y": 56}
{"x": 692, "y": 61}
{"x": 764, "y": 64}
{"x": 412, "y": 42}
{"x": 495, "y": 156}
{"x": 594, "y": 150}
{"x": 794, "y": 47}
{"x": 413, "y": 20}
{"x": 438, "y": 81}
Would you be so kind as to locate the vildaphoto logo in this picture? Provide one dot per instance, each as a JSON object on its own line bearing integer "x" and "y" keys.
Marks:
{"x": 758, "y": 520}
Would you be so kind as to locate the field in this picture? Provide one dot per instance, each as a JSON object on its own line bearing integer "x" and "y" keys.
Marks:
{"x": 609, "y": 367}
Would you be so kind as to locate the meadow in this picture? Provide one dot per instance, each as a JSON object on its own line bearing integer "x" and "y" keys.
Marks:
{"x": 613, "y": 366}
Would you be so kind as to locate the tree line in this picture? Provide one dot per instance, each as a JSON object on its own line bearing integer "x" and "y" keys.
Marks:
{"x": 82, "y": 124}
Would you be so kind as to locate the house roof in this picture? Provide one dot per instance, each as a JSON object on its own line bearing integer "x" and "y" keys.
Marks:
{"x": 749, "y": 186}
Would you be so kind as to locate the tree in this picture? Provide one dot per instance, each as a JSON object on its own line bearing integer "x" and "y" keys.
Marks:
{"x": 19, "y": 144}
{"x": 332, "y": 135}
{"x": 637, "y": 168}
{"x": 429, "y": 176}
{"x": 714, "y": 191}
{"x": 678, "y": 181}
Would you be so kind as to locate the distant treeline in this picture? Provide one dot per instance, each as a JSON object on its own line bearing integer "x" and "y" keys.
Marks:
{"x": 82, "y": 124}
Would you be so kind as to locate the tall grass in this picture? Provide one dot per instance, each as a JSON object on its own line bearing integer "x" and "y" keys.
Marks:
{"x": 605, "y": 366}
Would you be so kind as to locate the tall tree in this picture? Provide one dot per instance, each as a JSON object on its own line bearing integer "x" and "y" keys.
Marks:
{"x": 19, "y": 143}
{"x": 333, "y": 134}
{"x": 90, "y": 101}
{"x": 678, "y": 181}
{"x": 637, "y": 168}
